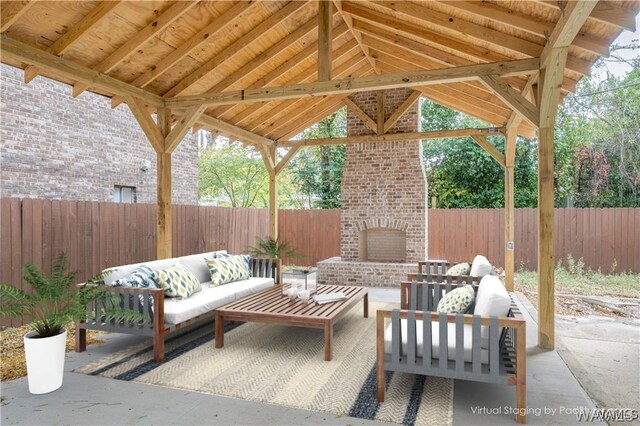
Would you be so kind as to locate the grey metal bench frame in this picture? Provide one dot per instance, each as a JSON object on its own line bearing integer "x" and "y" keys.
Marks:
{"x": 149, "y": 326}
{"x": 507, "y": 343}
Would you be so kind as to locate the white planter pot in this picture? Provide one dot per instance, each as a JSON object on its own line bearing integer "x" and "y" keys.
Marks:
{"x": 45, "y": 361}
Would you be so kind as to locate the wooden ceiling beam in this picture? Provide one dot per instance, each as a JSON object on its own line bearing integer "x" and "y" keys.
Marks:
{"x": 235, "y": 131}
{"x": 68, "y": 70}
{"x": 248, "y": 38}
{"x": 66, "y": 40}
{"x": 140, "y": 38}
{"x": 431, "y": 37}
{"x": 312, "y": 111}
{"x": 299, "y": 110}
{"x": 264, "y": 57}
{"x": 356, "y": 35}
{"x": 208, "y": 33}
{"x": 530, "y": 24}
{"x": 360, "y": 84}
{"x": 394, "y": 137}
{"x": 12, "y": 11}
{"x": 512, "y": 98}
{"x": 606, "y": 12}
{"x": 266, "y": 109}
{"x": 291, "y": 63}
{"x": 325, "y": 25}
{"x": 422, "y": 62}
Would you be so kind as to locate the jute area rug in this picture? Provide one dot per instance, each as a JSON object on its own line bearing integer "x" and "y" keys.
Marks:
{"x": 284, "y": 366}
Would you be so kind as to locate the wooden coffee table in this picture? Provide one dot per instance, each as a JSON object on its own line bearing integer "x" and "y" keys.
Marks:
{"x": 269, "y": 306}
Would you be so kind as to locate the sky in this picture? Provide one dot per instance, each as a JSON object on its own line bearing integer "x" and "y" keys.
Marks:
{"x": 626, "y": 38}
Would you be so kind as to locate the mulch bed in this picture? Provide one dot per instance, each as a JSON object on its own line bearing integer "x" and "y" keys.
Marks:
{"x": 12, "y": 349}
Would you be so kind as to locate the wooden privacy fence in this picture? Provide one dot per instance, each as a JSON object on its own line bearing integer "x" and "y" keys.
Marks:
{"x": 601, "y": 237}
{"x": 99, "y": 235}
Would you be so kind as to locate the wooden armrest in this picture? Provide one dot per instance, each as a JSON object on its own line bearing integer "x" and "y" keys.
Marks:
{"x": 509, "y": 322}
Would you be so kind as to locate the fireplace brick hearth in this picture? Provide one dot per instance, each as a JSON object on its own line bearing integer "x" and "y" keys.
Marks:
{"x": 383, "y": 214}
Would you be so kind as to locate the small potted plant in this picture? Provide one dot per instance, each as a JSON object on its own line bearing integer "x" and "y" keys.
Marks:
{"x": 54, "y": 303}
{"x": 273, "y": 248}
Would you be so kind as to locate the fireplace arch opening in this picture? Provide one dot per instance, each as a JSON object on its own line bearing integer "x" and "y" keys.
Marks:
{"x": 383, "y": 245}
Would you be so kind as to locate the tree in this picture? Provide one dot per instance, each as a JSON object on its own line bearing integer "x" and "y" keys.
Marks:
{"x": 460, "y": 174}
{"x": 318, "y": 170}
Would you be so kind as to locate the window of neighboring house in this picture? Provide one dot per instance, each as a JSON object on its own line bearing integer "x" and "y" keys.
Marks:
{"x": 124, "y": 194}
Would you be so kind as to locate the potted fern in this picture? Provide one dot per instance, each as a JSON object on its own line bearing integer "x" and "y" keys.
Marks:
{"x": 54, "y": 303}
{"x": 273, "y": 248}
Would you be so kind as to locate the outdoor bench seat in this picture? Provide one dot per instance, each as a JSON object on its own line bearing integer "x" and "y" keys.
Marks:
{"x": 163, "y": 315}
{"x": 461, "y": 346}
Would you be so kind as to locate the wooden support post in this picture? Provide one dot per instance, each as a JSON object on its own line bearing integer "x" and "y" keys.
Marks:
{"x": 380, "y": 112}
{"x": 163, "y": 234}
{"x": 550, "y": 81}
{"x": 509, "y": 197}
{"x": 325, "y": 23}
{"x": 273, "y": 191}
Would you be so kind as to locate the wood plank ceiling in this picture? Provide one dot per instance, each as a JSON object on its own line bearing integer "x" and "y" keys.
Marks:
{"x": 188, "y": 48}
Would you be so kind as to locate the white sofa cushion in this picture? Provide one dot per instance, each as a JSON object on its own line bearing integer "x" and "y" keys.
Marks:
{"x": 197, "y": 264}
{"x": 210, "y": 298}
{"x": 435, "y": 341}
{"x": 480, "y": 267}
{"x": 492, "y": 300}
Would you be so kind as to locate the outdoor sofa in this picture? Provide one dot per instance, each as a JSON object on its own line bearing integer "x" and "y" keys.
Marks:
{"x": 164, "y": 315}
{"x": 479, "y": 346}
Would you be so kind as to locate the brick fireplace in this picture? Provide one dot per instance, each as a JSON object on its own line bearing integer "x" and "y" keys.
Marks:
{"x": 383, "y": 215}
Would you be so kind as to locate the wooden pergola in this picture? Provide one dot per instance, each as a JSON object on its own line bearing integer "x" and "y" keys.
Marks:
{"x": 261, "y": 72}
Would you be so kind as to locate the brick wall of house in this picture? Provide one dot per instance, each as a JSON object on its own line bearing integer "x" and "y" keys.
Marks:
{"x": 384, "y": 183}
{"x": 55, "y": 146}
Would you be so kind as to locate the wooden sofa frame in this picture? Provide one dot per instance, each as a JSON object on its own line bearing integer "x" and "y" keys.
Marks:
{"x": 507, "y": 348}
{"x": 153, "y": 324}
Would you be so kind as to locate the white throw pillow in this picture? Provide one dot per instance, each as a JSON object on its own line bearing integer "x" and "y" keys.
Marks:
{"x": 480, "y": 267}
{"x": 492, "y": 300}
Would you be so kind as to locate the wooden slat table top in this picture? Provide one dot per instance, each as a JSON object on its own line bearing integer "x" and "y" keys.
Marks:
{"x": 270, "y": 303}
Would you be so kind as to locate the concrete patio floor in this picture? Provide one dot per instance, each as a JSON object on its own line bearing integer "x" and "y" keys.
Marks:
{"x": 553, "y": 393}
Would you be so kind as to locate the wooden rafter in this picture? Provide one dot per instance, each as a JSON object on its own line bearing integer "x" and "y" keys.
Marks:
{"x": 290, "y": 64}
{"x": 425, "y": 58}
{"x": 526, "y": 23}
{"x": 289, "y": 107}
{"x": 606, "y": 12}
{"x": 571, "y": 20}
{"x": 265, "y": 56}
{"x": 305, "y": 107}
{"x": 140, "y": 38}
{"x": 325, "y": 25}
{"x": 353, "y": 85}
{"x": 356, "y": 35}
{"x": 432, "y": 37}
{"x": 252, "y": 111}
{"x": 396, "y": 137}
{"x": 12, "y": 11}
{"x": 217, "y": 26}
{"x": 66, "y": 41}
{"x": 230, "y": 51}
{"x": 72, "y": 71}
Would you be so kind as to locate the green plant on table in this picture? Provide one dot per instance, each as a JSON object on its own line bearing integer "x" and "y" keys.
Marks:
{"x": 57, "y": 301}
{"x": 273, "y": 248}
